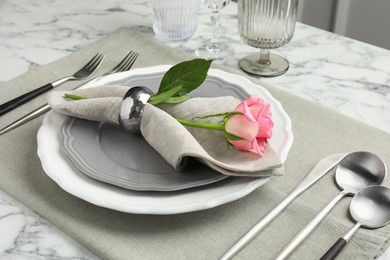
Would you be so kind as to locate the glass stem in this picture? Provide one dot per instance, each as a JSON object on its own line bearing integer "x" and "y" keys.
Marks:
{"x": 264, "y": 57}
{"x": 215, "y": 23}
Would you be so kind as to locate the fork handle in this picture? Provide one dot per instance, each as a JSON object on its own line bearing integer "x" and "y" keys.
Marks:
{"x": 16, "y": 102}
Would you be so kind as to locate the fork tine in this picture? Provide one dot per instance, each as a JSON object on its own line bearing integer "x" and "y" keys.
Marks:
{"x": 123, "y": 61}
{"x": 135, "y": 57}
{"x": 94, "y": 62}
{"x": 89, "y": 67}
{"x": 124, "y": 64}
{"x": 130, "y": 62}
{"x": 91, "y": 61}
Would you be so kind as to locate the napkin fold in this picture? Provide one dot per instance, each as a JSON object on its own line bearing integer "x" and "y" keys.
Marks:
{"x": 166, "y": 135}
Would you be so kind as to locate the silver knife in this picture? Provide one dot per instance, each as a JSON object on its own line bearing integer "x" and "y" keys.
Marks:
{"x": 321, "y": 168}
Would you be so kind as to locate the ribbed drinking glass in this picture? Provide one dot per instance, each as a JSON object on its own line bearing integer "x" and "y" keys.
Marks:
{"x": 174, "y": 19}
{"x": 266, "y": 24}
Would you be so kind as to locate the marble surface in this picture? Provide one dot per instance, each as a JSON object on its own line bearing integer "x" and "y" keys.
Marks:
{"x": 25, "y": 235}
{"x": 336, "y": 72}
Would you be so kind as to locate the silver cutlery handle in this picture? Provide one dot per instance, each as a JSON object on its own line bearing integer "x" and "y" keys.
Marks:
{"x": 37, "y": 112}
{"x": 338, "y": 246}
{"x": 306, "y": 231}
{"x": 256, "y": 229}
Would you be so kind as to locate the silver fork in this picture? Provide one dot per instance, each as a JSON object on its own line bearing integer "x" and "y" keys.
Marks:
{"x": 83, "y": 73}
{"x": 123, "y": 65}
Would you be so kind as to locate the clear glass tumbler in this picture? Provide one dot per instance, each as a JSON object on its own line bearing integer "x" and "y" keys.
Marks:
{"x": 266, "y": 24}
{"x": 174, "y": 19}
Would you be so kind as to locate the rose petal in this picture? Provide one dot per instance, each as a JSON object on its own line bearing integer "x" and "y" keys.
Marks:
{"x": 240, "y": 126}
{"x": 259, "y": 145}
{"x": 242, "y": 145}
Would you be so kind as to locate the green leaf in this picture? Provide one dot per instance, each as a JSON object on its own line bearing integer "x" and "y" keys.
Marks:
{"x": 74, "y": 97}
{"x": 176, "y": 100}
{"x": 190, "y": 74}
{"x": 163, "y": 96}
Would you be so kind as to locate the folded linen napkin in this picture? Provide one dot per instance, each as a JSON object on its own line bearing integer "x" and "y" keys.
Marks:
{"x": 172, "y": 140}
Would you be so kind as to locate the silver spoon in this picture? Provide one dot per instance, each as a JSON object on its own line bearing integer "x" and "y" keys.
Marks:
{"x": 355, "y": 172}
{"x": 370, "y": 208}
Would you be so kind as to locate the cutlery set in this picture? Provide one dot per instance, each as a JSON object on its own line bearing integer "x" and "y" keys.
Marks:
{"x": 355, "y": 172}
{"x": 358, "y": 173}
{"x": 83, "y": 73}
{"x": 125, "y": 64}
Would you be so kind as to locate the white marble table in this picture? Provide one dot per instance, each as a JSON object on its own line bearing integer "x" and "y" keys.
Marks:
{"x": 333, "y": 71}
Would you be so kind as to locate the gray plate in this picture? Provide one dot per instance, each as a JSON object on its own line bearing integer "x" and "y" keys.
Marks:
{"x": 107, "y": 153}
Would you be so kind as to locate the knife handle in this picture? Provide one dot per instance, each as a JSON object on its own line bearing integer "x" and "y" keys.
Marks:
{"x": 16, "y": 102}
{"x": 306, "y": 231}
{"x": 259, "y": 226}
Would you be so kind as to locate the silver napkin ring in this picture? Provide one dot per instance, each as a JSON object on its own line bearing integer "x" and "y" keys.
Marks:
{"x": 132, "y": 107}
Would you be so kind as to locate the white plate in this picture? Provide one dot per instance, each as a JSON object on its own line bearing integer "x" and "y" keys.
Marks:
{"x": 59, "y": 167}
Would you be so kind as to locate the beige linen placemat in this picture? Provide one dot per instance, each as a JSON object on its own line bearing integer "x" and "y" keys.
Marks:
{"x": 206, "y": 234}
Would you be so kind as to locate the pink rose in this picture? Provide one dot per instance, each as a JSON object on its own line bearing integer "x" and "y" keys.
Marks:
{"x": 254, "y": 125}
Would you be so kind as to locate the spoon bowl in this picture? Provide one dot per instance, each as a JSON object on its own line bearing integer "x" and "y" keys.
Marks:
{"x": 371, "y": 209}
{"x": 356, "y": 171}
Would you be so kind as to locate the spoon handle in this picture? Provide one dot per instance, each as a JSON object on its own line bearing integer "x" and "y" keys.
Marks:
{"x": 334, "y": 250}
{"x": 306, "y": 231}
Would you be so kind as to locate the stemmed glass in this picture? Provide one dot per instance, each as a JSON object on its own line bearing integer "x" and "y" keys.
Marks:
{"x": 215, "y": 49}
{"x": 266, "y": 24}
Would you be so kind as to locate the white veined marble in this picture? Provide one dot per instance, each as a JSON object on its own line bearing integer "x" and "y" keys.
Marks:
{"x": 333, "y": 71}
{"x": 25, "y": 235}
